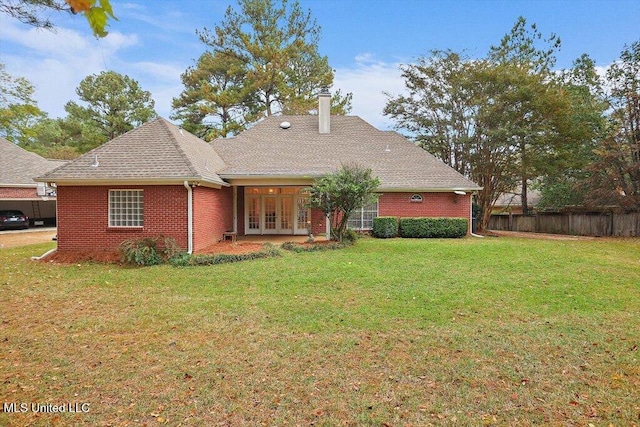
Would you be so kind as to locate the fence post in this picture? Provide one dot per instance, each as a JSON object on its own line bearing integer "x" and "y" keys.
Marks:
{"x": 571, "y": 223}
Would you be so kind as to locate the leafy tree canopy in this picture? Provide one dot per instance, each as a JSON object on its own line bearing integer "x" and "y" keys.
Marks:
{"x": 18, "y": 111}
{"x": 262, "y": 59}
{"x": 341, "y": 193}
{"x": 505, "y": 120}
{"x": 36, "y": 12}
{"x": 115, "y": 104}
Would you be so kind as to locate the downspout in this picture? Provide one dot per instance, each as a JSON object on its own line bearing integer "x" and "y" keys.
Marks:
{"x": 189, "y": 217}
{"x": 471, "y": 217}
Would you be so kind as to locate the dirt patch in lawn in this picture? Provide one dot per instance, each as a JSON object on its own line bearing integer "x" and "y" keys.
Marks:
{"x": 105, "y": 257}
{"x": 15, "y": 239}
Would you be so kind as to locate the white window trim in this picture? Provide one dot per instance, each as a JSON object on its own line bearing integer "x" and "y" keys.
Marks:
{"x": 141, "y": 214}
{"x": 361, "y": 211}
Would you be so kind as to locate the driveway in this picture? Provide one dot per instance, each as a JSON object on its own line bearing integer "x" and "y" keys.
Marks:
{"x": 13, "y": 238}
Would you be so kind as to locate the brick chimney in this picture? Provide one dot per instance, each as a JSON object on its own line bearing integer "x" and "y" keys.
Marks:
{"x": 324, "y": 111}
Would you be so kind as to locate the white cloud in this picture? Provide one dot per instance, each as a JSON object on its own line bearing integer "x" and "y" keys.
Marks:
{"x": 367, "y": 79}
{"x": 56, "y": 62}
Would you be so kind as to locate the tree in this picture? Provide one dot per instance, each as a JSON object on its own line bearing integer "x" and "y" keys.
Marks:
{"x": 562, "y": 186}
{"x": 500, "y": 120}
{"x": 115, "y": 105}
{"x": 18, "y": 111}
{"x": 438, "y": 108}
{"x": 539, "y": 106}
{"x": 275, "y": 50}
{"x": 341, "y": 193}
{"x": 215, "y": 102}
{"x": 35, "y": 12}
{"x": 615, "y": 175}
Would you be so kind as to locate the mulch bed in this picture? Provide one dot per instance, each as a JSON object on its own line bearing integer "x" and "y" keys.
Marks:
{"x": 114, "y": 257}
{"x": 103, "y": 257}
{"x": 232, "y": 248}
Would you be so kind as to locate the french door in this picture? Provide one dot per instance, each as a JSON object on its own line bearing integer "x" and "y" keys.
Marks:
{"x": 276, "y": 212}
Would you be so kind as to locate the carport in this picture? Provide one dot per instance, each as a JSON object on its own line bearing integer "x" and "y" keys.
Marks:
{"x": 18, "y": 190}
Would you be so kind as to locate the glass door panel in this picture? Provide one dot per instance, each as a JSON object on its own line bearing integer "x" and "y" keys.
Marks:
{"x": 270, "y": 213}
{"x": 253, "y": 214}
{"x": 286, "y": 214}
{"x": 303, "y": 215}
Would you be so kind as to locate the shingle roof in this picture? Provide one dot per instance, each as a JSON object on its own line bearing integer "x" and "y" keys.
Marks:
{"x": 18, "y": 167}
{"x": 269, "y": 150}
{"x": 157, "y": 150}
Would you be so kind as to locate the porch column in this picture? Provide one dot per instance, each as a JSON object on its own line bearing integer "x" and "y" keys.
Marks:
{"x": 235, "y": 209}
{"x": 328, "y": 227}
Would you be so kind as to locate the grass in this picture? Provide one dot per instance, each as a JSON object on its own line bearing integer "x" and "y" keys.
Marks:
{"x": 387, "y": 332}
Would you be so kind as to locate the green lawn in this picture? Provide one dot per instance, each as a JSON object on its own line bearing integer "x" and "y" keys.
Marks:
{"x": 494, "y": 331}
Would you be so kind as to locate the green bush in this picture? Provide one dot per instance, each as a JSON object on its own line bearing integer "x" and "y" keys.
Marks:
{"x": 349, "y": 236}
{"x": 186, "y": 260}
{"x": 314, "y": 247}
{"x": 148, "y": 250}
{"x": 385, "y": 227}
{"x": 433, "y": 227}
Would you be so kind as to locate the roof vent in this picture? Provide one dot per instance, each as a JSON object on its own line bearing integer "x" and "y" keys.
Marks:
{"x": 285, "y": 125}
{"x": 95, "y": 163}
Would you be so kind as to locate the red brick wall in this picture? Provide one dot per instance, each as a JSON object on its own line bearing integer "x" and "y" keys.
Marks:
{"x": 449, "y": 205}
{"x": 318, "y": 222}
{"x": 17, "y": 193}
{"x": 83, "y": 222}
{"x": 212, "y": 215}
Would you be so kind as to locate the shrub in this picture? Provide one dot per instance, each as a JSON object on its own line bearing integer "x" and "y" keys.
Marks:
{"x": 314, "y": 247}
{"x": 433, "y": 227}
{"x": 349, "y": 236}
{"x": 385, "y": 227}
{"x": 186, "y": 260}
{"x": 148, "y": 250}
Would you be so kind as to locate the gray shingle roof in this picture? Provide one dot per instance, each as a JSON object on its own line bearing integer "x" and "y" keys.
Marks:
{"x": 18, "y": 167}
{"x": 157, "y": 150}
{"x": 270, "y": 151}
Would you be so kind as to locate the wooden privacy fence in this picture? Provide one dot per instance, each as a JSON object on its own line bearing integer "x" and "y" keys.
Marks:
{"x": 580, "y": 224}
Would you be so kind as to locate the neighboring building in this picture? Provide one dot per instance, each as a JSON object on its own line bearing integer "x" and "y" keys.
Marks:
{"x": 18, "y": 190}
{"x": 159, "y": 179}
{"x": 511, "y": 203}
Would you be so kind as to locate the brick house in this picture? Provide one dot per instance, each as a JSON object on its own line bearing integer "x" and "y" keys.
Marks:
{"x": 160, "y": 179}
{"x": 18, "y": 190}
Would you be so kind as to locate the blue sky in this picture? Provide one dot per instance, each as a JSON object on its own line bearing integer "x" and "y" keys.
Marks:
{"x": 366, "y": 41}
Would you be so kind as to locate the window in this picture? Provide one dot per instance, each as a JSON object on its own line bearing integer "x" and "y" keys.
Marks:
{"x": 416, "y": 198}
{"x": 362, "y": 219}
{"x": 126, "y": 208}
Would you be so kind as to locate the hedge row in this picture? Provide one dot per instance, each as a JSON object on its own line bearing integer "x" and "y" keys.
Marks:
{"x": 387, "y": 227}
{"x": 186, "y": 260}
{"x": 314, "y": 247}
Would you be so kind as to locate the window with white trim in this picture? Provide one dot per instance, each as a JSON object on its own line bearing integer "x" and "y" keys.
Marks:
{"x": 362, "y": 219}
{"x": 126, "y": 208}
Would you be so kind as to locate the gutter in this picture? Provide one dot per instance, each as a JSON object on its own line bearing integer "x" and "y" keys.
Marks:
{"x": 189, "y": 217}
{"x": 471, "y": 219}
